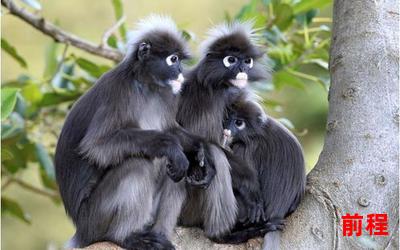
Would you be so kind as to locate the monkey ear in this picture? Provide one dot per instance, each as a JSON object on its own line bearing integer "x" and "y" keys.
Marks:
{"x": 143, "y": 51}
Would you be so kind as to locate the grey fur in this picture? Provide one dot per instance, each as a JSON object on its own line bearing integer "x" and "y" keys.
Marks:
{"x": 121, "y": 155}
{"x": 220, "y": 209}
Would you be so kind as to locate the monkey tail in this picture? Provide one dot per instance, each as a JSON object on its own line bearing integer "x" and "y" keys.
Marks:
{"x": 272, "y": 240}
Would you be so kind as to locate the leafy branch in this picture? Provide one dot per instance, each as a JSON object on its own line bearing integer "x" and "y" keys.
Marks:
{"x": 60, "y": 35}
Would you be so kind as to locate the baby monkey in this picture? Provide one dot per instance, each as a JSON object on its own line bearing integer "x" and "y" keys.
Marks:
{"x": 276, "y": 155}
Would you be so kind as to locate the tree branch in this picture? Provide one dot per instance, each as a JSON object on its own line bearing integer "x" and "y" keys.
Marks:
{"x": 32, "y": 188}
{"x": 59, "y": 35}
{"x": 110, "y": 31}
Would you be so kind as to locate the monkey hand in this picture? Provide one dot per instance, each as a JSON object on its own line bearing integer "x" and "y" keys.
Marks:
{"x": 168, "y": 146}
{"x": 177, "y": 164}
{"x": 203, "y": 171}
{"x": 255, "y": 211}
{"x": 252, "y": 210}
{"x": 200, "y": 177}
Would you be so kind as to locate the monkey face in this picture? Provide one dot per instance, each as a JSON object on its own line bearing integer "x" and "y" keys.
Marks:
{"x": 160, "y": 57}
{"x": 239, "y": 68}
{"x": 234, "y": 129}
{"x": 233, "y": 60}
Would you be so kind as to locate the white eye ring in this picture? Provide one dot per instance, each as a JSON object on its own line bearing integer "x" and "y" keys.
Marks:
{"x": 172, "y": 59}
{"x": 229, "y": 60}
{"x": 249, "y": 63}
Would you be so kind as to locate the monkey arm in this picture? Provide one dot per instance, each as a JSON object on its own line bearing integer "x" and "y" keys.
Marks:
{"x": 189, "y": 142}
{"x": 107, "y": 142}
{"x": 114, "y": 147}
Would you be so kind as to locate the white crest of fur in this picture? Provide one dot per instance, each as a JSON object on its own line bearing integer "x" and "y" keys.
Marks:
{"x": 226, "y": 29}
{"x": 153, "y": 23}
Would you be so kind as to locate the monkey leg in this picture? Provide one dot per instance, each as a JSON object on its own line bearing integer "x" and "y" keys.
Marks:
{"x": 220, "y": 207}
{"x": 122, "y": 206}
{"x": 172, "y": 197}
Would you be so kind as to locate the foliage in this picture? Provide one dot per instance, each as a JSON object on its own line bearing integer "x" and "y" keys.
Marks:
{"x": 33, "y": 110}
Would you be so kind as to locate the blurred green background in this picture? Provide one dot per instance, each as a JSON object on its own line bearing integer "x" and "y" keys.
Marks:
{"x": 295, "y": 34}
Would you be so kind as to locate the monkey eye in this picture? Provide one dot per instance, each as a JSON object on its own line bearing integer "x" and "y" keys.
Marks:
{"x": 249, "y": 61}
{"x": 229, "y": 60}
{"x": 240, "y": 124}
{"x": 172, "y": 59}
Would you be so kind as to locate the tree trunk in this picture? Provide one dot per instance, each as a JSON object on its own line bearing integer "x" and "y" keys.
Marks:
{"x": 357, "y": 171}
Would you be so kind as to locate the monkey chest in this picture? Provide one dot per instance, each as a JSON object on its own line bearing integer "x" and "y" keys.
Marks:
{"x": 154, "y": 115}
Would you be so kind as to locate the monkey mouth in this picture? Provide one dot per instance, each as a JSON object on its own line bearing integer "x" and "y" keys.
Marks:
{"x": 240, "y": 81}
{"x": 227, "y": 139}
{"x": 176, "y": 84}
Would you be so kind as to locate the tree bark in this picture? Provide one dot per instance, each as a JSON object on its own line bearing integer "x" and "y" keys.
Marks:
{"x": 357, "y": 171}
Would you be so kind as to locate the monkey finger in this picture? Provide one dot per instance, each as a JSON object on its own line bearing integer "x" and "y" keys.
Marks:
{"x": 175, "y": 174}
{"x": 200, "y": 157}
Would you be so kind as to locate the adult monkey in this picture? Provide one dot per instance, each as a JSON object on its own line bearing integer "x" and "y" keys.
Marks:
{"x": 230, "y": 60}
{"x": 120, "y": 150}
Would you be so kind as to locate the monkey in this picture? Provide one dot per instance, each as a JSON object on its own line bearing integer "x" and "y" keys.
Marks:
{"x": 121, "y": 156}
{"x": 275, "y": 153}
{"x": 229, "y": 62}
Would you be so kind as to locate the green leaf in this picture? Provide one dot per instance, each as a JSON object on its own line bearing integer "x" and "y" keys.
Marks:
{"x": 6, "y": 154}
{"x": 33, "y": 3}
{"x": 59, "y": 81}
{"x": 91, "y": 67}
{"x": 13, "y": 208}
{"x": 306, "y": 5}
{"x": 9, "y": 49}
{"x": 112, "y": 41}
{"x": 248, "y": 11}
{"x": 50, "y": 99}
{"x": 32, "y": 93}
{"x": 307, "y": 17}
{"x": 51, "y": 60}
{"x": 22, "y": 151}
{"x": 320, "y": 62}
{"x": 8, "y": 100}
{"x": 284, "y": 16}
{"x": 118, "y": 8}
{"x": 12, "y": 127}
{"x": 47, "y": 181}
{"x": 187, "y": 35}
{"x": 119, "y": 12}
{"x": 45, "y": 161}
{"x": 283, "y": 78}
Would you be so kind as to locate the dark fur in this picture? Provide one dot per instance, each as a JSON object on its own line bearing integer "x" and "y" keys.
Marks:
{"x": 120, "y": 152}
{"x": 276, "y": 155}
{"x": 204, "y": 98}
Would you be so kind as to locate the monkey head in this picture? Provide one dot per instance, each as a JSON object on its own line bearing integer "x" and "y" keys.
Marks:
{"x": 156, "y": 51}
{"x": 231, "y": 56}
{"x": 244, "y": 122}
